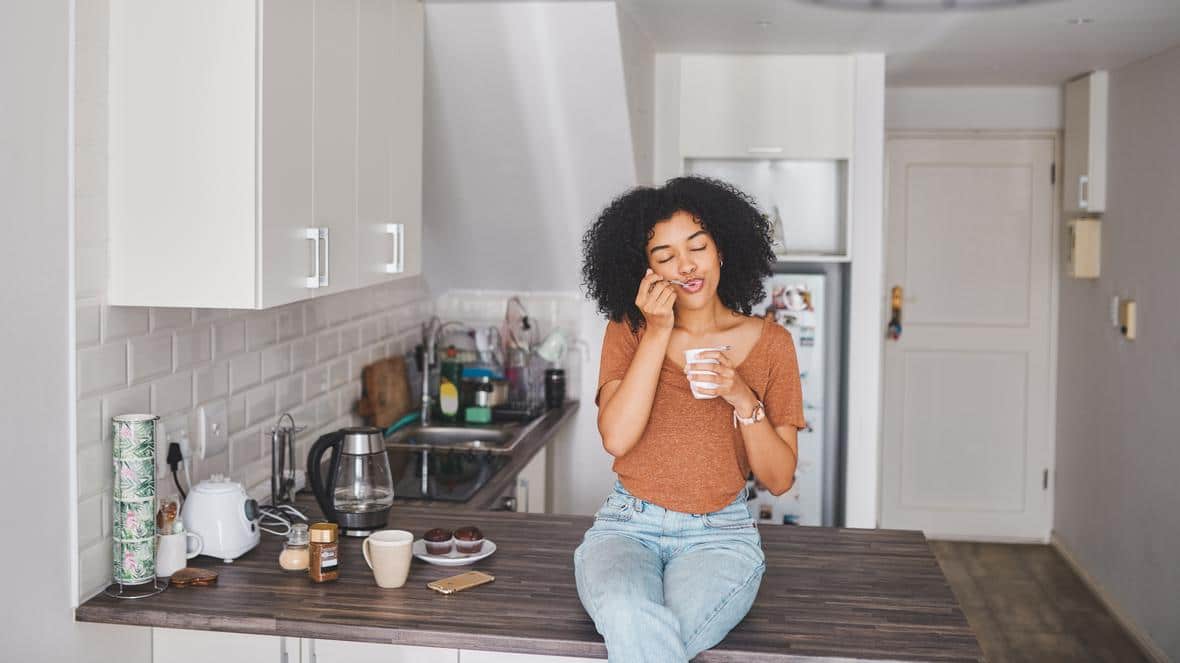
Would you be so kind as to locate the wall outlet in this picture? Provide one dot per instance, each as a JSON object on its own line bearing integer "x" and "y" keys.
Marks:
{"x": 210, "y": 430}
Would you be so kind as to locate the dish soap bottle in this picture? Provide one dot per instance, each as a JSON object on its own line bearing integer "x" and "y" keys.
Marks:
{"x": 448, "y": 385}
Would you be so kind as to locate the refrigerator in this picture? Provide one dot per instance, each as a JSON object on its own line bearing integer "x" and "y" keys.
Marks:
{"x": 808, "y": 305}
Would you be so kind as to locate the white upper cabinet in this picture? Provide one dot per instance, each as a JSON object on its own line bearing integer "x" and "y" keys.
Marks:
{"x": 389, "y": 157}
{"x": 255, "y": 146}
{"x": 777, "y": 107}
{"x": 1086, "y": 102}
{"x": 336, "y": 140}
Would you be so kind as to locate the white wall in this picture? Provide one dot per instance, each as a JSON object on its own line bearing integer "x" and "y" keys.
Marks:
{"x": 639, "y": 60}
{"x": 1117, "y": 416}
{"x": 36, "y": 401}
{"x": 305, "y": 358}
{"x": 972, "y": 108}
{"x": 527, "y": 139}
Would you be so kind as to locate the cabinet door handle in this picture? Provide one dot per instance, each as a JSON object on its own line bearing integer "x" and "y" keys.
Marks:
{"x": 524, "y": 485}
{"x": 313, "y": 234}
{"x": 1083, "y": 194}
{"x": 327, "y": 252}
{"x": 765, "y": 150}
{"x": 398, "y": 232}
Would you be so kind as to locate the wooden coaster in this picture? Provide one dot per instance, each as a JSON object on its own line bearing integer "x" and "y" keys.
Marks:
{"x": 192, "y": 576}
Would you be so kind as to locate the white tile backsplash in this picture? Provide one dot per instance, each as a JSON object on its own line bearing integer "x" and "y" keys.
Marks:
{"x": 261, "y": 330}
{"x": 89, "y": 421}
{"x": 193, "y": 346}
{"x": 170, "y": 318}
{"x": 260, "y": 404}
{"x": 229, "y": 338}
{"x": 245, "y": 371}
{"x": 290, "y": 322}
{"x": 212, "y": 382}
{"x": 101, "y": 368}
{"x": 150, "y": 356}
{"x": 88, "y": 323}
{"x": 91, "y": 517}
{"x": 124, "y": 321}
{"x": 290, "y": 393}
{"x": 276, "y": 362}
{"x": 327, "y": 345}
{"x": 172, "y": 394}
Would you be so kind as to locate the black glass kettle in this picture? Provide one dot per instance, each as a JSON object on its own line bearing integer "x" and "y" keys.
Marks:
{"x": 357, "y": 491}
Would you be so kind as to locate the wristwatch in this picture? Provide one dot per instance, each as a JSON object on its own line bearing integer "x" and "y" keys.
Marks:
{"x": 757, "y": 415}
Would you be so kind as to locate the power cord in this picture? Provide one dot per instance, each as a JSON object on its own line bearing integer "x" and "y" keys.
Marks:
{"x": 174, "y": 459}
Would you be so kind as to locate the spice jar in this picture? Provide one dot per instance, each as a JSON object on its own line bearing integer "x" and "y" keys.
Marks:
{"x": 295, "y": 555}
{"x": 324, "y": 552}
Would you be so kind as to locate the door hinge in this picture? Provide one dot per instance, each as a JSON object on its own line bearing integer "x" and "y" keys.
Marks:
{"x": 1052, "y": 173}
{"x": 1045, "y": 479}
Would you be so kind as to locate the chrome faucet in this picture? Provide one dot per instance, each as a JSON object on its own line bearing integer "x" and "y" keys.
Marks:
{"x": 431, "y": 330}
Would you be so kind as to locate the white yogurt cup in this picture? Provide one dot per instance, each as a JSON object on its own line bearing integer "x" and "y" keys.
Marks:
{"x": 695, "y": 366}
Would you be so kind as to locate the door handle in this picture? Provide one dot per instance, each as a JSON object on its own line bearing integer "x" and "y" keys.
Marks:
{"x": 313, "y": 234}
{"x": 1083, "y": 194}
{"x": 327, "y": 253}
{"x": 895, "y": 297}
{"x": 398, "y": 232}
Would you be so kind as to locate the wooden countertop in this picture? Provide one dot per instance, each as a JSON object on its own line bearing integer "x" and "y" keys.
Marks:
{"x": 486, "y": 497}
{"x": 828, "y": 594}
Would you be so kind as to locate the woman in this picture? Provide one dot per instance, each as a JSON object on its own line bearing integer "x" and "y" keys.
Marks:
{"x": 674, "y": 560}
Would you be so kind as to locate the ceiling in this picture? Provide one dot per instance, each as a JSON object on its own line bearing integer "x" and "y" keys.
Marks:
{"x": 1028, "y": 45}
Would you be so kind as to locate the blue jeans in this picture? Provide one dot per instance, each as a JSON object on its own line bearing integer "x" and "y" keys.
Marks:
{"x": 663, "y": 585}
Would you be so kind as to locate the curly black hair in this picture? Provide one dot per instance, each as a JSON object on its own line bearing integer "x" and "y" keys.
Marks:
{"x": 614, "y": 246}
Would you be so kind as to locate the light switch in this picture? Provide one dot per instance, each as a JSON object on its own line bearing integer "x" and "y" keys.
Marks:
{"x": 1083, "y": 259}
{"x": 1127, "y": 319}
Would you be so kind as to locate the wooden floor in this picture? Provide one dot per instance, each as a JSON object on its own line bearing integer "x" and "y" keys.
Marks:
{"x": 1027, "y": 605}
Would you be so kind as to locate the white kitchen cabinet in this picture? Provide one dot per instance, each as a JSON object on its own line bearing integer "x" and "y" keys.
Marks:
{"x": 389, "y": 156}
{"x": 336, "y": 651}
{"x": 1086, "y": 104}
{"x": 183, "y": 646}
{"x": 766, "y": 106}
{"x": 336, "y": 140}
{"x": 242, "y": 141}
{"x": 532, "y": 485}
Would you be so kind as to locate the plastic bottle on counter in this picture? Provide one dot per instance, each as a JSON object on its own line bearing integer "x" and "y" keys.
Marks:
{"x": 450, "y": 375}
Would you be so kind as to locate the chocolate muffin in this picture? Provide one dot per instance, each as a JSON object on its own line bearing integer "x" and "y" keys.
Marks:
{"x": 469, "y": 540}
{"x": 439, "y": 541}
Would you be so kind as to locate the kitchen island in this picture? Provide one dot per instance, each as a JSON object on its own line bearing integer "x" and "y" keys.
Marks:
{"x": 828, "y": 594}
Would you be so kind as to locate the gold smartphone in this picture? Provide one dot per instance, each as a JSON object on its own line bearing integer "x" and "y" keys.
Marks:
{"x": 460, "y": 582}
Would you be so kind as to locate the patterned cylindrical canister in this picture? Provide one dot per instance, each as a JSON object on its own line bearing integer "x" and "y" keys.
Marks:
{"x": 133, "y": 445}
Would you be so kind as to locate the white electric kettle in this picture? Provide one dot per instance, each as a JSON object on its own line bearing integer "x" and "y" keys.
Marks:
{"x": 225, "y": 517}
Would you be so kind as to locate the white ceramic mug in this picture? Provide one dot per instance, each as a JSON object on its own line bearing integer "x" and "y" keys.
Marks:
{"x": 691, "y": 358}
{"x": 388, "y": 554}
{"x": 173, "y": 552}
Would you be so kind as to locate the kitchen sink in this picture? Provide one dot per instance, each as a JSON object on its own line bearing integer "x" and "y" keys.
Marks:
{"x": 495, "y": 438}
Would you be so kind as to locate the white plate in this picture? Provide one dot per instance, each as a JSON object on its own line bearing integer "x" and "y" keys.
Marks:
{"x": 453, "y": 558}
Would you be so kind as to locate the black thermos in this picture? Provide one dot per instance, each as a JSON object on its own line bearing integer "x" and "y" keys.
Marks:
{"x": 554, "y": 387}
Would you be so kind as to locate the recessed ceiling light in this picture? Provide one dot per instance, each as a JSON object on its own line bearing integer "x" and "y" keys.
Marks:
{"x": 1082, "y": 20}
{"x": 922, "y": 5}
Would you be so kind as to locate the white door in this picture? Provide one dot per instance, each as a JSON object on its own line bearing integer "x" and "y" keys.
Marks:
{"x": 967, "y": 418}
{"x": 335, "y": 138}
{"x": 286, "y": 151}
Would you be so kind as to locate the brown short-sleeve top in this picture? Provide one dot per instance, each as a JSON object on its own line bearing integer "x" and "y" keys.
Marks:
{"x": 690, "y": 458}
